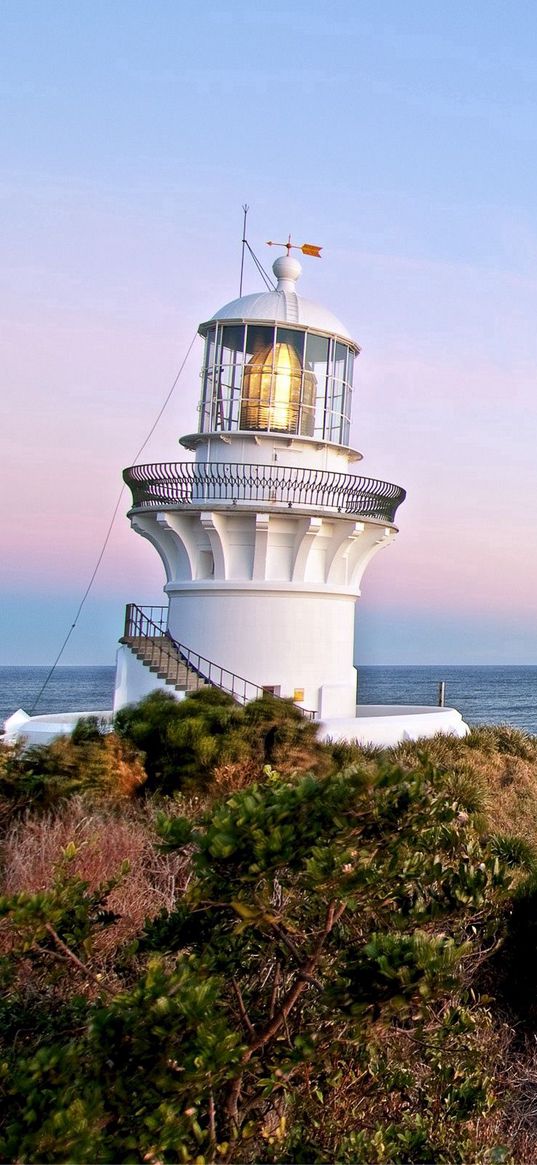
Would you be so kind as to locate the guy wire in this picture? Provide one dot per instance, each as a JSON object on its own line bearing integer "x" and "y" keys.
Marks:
{"x": 109, "y": 531}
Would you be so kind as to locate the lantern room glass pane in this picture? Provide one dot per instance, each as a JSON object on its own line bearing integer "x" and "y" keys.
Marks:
{"x": 257, "y": 378}
{"x": 222, "y": 375}
{"x": 317, "y": 348}
{"x": 294, "y": 339}
{"x": 350, "y": 367}
{"x": 258, "y": 338}
{"x": 230, "y": 376}
{"x": 339, "y": 393}
{"x": 293, "y": 391}
{"x": 207, "y": 391}
{"x": 340, "y": 361}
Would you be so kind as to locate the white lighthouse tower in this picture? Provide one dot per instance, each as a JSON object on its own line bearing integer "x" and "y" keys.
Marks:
{"x": 265, "y": 535}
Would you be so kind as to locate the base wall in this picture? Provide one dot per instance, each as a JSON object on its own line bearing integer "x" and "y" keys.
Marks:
{"x": 284, "y": 640}
{"x": 385, "y": 725}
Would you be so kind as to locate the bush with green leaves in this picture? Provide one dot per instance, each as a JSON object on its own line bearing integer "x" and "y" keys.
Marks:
{"x": 278, "y": 733}
{"x": 312, "y": 996}
{"x": 183, "y": 740}
{"x": 91, "y": 763}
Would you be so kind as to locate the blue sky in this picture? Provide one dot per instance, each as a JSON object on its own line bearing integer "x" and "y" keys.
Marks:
{"x": 401, "y": 137}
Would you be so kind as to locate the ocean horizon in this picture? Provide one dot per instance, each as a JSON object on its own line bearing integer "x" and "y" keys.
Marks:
{"x": 483, "y": 694}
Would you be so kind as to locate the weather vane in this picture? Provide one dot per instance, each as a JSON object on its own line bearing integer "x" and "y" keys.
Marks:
{"x": 306, "y": 248}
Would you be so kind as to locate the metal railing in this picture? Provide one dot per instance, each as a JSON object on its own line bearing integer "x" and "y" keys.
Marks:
{"x": 156, "y": 617}
{"x": 170, "y": 656}
{"x": 188, "y": 483}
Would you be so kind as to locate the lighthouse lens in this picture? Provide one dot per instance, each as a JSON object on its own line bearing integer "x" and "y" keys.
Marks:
{"x": 277, "y": 394}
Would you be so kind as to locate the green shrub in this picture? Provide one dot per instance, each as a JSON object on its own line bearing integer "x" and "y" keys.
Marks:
{"x": 313, "y": 994}
{"x": 185, "y": 741}
{"x": 45, "y": 776}
{"x": 182, "y": 741}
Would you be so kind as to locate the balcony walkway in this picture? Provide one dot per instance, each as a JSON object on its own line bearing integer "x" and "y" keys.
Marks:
{"x": 190, "y": 484}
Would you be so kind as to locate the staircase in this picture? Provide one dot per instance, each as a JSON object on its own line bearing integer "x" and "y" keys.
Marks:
{"x": 147, "y": 637}
{"x": 162, "y": 656}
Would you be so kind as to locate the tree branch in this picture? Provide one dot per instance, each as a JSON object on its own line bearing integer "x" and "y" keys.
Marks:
{"x": 274, "y": 992}
{"x": 333, "y": 914}
{"x": 242, "y": 1010}
{"x": 70, "y": 956}
{"x": 212, "y": 1123}
{"x": 279, "y": 931}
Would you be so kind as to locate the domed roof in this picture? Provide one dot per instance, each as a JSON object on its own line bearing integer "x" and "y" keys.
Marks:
{"x": 282, "y": 305}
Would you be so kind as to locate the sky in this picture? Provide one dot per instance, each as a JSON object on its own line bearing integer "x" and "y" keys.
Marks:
{"x": 402, "y": 137}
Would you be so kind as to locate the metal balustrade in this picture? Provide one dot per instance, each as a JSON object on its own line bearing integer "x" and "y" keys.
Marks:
{"x": 156, "y": 617}
{"x": 148, "y": 637}
{"x": 191, "y": 484}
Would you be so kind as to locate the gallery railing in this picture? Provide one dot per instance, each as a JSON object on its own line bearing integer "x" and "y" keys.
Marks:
{"x": 188, "y": 483}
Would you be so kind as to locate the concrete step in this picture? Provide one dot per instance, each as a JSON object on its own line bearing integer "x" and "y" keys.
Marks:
{"x": 160, "y": 656}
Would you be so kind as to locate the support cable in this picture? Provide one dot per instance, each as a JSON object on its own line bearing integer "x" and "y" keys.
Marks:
{"x": 109, "y": 530}
{"x": 269, "y": 284}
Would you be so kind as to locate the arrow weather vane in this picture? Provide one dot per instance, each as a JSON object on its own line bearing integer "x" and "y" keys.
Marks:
{"x": 306, "y": 248}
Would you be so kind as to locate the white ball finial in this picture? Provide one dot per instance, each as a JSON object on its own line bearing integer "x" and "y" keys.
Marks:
{"x": 287, "y": 270}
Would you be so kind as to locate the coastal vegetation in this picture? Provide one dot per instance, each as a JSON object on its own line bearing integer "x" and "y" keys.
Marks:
{"x": 222, "y": 941}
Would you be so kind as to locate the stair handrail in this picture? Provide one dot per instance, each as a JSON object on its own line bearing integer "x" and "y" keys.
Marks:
{"x": 138, "y": 625}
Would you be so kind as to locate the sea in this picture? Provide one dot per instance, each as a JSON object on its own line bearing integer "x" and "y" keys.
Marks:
{"x": 484, "y": 695}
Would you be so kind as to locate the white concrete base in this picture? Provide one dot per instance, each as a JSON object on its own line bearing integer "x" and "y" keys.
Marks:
{"x": 384, "y": 725}
{"x": 43, "y": 729}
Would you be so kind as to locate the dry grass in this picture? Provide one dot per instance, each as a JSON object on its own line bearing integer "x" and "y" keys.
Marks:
{"x": 510, "y": 794}
{"x": 104, "y": 838}
{"x": 229, "y": 778}
{"x": 498, "y": 768}
{"x": 521, "y": 1108}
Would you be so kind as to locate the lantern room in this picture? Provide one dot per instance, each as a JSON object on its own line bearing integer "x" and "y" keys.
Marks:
{"x": 276, "y": 363}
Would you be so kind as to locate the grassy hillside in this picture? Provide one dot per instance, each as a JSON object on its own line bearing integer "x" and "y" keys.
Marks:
{"x": 223, "y": 941}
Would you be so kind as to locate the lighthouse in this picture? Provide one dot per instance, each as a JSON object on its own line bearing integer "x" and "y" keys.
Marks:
{"x": 264, "y": 529}
{"x": 265, "y": 526}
